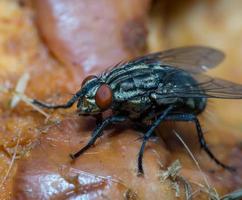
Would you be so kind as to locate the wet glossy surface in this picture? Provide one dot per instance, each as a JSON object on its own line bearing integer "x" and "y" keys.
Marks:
{"x": 108, "y": 169}
{"x": 91, "y": 34}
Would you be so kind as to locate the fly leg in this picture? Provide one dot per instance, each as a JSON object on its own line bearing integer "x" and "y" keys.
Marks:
{"x": 68, "y": 104}
{"x": 99, "y": 118}
{"x": 147, "y": 136}
{"x": 97, "y": 133}
{"x": 202, "y": 141}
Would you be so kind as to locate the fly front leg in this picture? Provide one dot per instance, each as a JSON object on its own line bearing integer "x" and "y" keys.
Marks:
{"x": 147, "y": 136}
{"x": 99, "y": 118}
{"x": 202, "y": 141}
{"x": 98, "y": 132}
{"x": 68, "y": 104}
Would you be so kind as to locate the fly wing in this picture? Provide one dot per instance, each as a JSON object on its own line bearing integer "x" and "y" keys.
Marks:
{"x": 195, "y": 59}
{"x": 208, "y": 87}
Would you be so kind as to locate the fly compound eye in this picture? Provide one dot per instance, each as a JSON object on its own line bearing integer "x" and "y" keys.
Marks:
{"x": 104, "y": 96}
{"x": 88, "y": 78}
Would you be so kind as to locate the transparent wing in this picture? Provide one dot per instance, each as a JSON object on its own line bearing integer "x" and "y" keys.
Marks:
{"x": 208, "y": 87}
{"x": 194, "y": 58}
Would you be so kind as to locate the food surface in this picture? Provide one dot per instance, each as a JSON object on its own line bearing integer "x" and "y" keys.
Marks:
{"x": 58, "y": 44}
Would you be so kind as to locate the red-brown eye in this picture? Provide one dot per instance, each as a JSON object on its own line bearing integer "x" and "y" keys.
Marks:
{"x": 88, "y": 78}
{"x": 104, "y": 96}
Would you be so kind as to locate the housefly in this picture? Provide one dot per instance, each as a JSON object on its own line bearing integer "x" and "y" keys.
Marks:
{"x": 163, "y": 86}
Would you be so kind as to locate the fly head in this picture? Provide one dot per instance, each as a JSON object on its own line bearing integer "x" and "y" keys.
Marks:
{"x": 95, "y": 96}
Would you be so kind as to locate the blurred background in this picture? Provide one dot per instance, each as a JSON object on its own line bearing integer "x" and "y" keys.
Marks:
{"x": 59, "y": 42}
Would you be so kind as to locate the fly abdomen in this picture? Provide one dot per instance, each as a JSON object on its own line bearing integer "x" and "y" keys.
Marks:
{"x": 176, "y": 90}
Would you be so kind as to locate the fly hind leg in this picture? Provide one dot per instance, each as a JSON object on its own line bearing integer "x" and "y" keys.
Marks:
{"x": 202, "y": 141}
